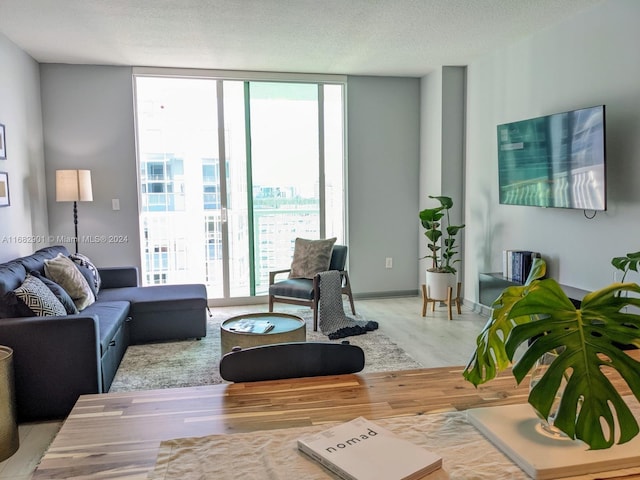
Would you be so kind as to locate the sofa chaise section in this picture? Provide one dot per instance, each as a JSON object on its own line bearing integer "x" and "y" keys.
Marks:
{"x": 163, "y": 312}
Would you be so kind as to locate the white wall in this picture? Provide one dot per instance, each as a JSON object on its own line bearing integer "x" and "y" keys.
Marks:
{"x": 383, "y": 182}
{"x": 588, "y": 60}
{"x": 88, "y": 123}
{"x": 23, "y": 224}
{"x": 442, "y": 151}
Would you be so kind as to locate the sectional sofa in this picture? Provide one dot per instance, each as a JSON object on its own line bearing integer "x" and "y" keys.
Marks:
{"x": 59, "y": 357}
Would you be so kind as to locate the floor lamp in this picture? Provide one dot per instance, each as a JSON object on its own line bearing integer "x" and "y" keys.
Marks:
{"x": 74, "y": 186}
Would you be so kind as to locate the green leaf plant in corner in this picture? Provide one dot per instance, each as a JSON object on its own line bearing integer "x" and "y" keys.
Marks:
{"x": 626, "y": 263}
{"x": 589, "y": 341}
{"x": 435, "y": 228}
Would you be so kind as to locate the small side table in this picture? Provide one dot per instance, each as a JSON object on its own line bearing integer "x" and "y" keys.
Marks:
{"x": 9, "y": 439}
{"x": 286, "y": 328}
{"x": 448, "y": 301}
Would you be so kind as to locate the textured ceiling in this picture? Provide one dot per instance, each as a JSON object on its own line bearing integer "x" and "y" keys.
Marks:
{"x": 364, "y": 37}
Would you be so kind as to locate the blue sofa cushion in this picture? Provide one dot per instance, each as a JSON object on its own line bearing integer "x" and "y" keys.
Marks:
{"x": 159, "y": 298}
{"x": 12, "y": 274}
{"x": 35, "y": 261}
{"x": 111, "y": 315}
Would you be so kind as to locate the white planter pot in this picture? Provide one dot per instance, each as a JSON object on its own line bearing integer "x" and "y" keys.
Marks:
{"x": 438, "y": 285}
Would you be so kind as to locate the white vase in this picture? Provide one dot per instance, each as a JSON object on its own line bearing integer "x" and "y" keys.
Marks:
{"x": 438, "y": 284}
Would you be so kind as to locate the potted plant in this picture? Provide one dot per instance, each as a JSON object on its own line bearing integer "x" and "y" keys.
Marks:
{"x": 540, "y": 317}
{"x": 442, "y": 247}
{"x": 630, "y": 261}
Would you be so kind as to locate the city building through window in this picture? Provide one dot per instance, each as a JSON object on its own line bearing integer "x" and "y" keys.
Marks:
{"x": 230, "y": 172}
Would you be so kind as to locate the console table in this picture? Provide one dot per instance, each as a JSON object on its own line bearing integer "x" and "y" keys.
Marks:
{"x": 492, "y": 284}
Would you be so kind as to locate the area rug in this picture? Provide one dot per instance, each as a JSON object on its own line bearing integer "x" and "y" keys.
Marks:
{"x": 195, "y": 362}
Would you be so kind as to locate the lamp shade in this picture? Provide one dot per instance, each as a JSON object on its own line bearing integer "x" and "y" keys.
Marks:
{"x": 73, "y": 186}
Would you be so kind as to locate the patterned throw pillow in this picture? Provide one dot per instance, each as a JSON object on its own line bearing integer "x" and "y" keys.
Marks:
{"x": 84, "y": 261}
{"x": 311, "y": 257}
{"x": 38, "y": 298}
{"x": 64, "y": 272}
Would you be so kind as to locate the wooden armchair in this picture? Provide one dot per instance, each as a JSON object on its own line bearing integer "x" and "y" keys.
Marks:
{"x": 304, "y": 291}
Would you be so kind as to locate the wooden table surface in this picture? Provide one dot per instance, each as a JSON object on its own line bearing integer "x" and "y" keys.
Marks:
{"x": 117, "y": 435}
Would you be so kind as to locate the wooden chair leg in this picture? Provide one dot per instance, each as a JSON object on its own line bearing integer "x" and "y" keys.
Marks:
{"x": 316, "y": 298}
{"x": 315, "y": 318}
{"x": 424, "y": 300}
{"x": 353, "y": 307}
{"x": 346, "y": 289}
{"x": 271, "y": 303}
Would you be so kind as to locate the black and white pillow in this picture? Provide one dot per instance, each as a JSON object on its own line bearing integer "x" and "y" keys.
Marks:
{"x": 84, "y": 261}
{"x": 37, "y": 297}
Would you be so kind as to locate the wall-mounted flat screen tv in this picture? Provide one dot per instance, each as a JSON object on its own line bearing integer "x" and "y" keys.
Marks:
{"x": 554, "y": 161}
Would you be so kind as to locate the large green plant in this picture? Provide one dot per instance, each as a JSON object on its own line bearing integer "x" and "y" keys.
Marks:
{"x": 588, "y": 340}
{"x": 431, "y": 219}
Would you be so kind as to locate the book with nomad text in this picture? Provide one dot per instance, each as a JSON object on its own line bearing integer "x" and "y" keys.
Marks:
{"x": 362, "y": 450}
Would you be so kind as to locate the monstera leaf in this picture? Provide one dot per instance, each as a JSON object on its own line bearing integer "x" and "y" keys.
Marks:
{"x": 490, "y": 356}
{"x": 588, "y": 341}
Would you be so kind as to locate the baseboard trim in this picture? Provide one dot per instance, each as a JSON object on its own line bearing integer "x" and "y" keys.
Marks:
{"x": 238, "y": 301}
{"x": 263, "y": 299}
{"x": 398, "y": 293}
{"x": 479, "y": 308}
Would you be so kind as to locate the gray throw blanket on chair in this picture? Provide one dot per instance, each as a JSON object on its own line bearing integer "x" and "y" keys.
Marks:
{"x": 331, "y": 317}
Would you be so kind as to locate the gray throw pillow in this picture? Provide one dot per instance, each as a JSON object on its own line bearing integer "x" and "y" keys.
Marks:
{"x": 311, "y": 257}
{"x": 65, "y": 273}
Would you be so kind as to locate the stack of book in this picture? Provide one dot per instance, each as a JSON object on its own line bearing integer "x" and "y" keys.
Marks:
{"x": 252, "y": 326}
{"x": 363, "y": 450}
{"x": 516, "y": 264}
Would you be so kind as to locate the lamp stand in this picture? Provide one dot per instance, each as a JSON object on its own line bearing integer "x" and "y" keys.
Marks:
{"x": 75, "y": 222}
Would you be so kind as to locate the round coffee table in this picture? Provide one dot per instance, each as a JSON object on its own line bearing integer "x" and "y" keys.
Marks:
{"x": 253, "y": 329}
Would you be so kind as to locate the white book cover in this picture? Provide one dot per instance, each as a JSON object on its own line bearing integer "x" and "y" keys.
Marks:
{"x": 362, "y": 450}
{"x": 252, "y": 326}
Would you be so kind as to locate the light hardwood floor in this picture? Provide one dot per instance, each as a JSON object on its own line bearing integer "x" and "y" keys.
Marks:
{"x": 433, "y": 341}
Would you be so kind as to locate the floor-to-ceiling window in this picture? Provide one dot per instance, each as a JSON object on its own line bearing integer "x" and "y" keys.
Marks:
{"x": 228, "y": 223}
